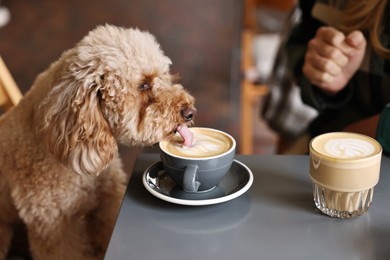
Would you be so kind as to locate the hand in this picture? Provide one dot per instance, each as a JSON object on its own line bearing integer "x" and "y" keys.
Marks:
{"x": 333, "y": 58}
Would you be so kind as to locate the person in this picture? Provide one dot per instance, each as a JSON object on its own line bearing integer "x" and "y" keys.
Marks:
{"x": 339, "y": 55}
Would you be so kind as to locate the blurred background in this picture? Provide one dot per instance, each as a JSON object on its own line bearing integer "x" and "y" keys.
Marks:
{"x": 203, "y": 38}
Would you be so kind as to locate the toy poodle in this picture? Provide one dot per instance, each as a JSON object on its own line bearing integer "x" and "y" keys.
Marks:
{"x": 60, "y": 172}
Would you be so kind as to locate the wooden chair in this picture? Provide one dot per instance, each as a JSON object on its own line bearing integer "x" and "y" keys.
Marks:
{"x": 10, "y": 94}
{"x": 251, "y": 92}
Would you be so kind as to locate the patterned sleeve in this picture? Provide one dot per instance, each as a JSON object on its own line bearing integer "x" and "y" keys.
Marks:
{"x": 296, "y": 49}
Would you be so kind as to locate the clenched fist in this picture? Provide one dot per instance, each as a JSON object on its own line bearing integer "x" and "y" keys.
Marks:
{"x": 332, "y": 58}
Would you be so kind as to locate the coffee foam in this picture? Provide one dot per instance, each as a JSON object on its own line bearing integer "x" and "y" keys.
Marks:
{"x": 207, "y": 143}
{"x": 348, "y": 148}
{"x": 344, "y": 145}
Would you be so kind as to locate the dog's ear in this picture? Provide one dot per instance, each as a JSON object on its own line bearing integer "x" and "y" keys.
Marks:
{"x": 74, "y": 128}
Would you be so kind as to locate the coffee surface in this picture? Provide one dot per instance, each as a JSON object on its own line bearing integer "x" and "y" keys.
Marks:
{"x": 349, "y": 148}
{"x": 345, "y": 145}
{"x": 207, "y": 143}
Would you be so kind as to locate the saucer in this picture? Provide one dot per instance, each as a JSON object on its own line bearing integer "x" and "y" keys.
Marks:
{"x": 235, "y": 183}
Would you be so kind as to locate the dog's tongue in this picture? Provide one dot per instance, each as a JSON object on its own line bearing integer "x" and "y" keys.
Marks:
{"x": 186, "y": 134}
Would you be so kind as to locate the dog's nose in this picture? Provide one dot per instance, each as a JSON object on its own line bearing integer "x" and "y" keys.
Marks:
{"x": 188, "y": 113}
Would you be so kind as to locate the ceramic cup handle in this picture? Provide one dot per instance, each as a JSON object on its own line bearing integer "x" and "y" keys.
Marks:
{"x": 190, "y": 184}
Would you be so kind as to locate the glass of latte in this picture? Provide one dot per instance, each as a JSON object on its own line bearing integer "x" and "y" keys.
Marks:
{"x": 344, "y": 168}
{"x": 200, "y": 167}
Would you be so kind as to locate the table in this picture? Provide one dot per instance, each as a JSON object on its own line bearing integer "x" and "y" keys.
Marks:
{"x": 275, "y": 219}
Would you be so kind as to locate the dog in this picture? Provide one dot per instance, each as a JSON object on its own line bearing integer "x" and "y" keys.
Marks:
{"x": 60, "y": 172}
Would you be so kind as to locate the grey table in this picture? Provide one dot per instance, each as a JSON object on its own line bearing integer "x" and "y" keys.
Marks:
{"x": 275, "y": 219}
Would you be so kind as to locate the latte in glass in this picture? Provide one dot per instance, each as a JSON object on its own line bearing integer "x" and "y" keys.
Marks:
{"x": 344, "y": 168}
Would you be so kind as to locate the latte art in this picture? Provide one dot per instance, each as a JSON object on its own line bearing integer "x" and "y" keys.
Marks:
{"x": 206, "y": 144}
{"x": 349, "y": 148}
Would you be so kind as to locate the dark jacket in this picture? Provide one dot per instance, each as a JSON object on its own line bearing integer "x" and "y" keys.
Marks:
{"x": 367, "y": 93}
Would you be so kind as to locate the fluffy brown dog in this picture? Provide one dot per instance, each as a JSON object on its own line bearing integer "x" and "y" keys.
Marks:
{"x": 60, "y": 173}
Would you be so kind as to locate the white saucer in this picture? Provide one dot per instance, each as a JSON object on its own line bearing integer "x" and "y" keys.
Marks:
{"x": 236, "y": 182}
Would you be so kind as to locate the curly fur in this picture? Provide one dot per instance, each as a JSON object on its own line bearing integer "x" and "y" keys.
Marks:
{"x": 60, "y": 174}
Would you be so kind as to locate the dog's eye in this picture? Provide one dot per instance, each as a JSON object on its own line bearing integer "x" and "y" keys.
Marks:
{"x": 144, "y": 86}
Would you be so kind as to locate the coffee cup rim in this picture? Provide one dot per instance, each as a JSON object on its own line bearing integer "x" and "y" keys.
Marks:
{"x": 378, "y": 148}
{"x": 232, "y": 148}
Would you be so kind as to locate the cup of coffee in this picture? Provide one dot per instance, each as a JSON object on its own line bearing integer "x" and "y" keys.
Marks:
{"x": 200, "y": 167}
{"x": 344, "y": 168}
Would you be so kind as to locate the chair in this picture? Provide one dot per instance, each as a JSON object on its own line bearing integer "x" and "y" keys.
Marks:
{"x": 10, "y": 94}
{"x": 251, "y": 92}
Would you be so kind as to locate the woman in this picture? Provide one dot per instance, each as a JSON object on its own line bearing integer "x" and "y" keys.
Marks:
{"x": 340, "y": 54}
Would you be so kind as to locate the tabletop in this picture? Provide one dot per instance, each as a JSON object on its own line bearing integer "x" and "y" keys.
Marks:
{"x": 275, "y": 219}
